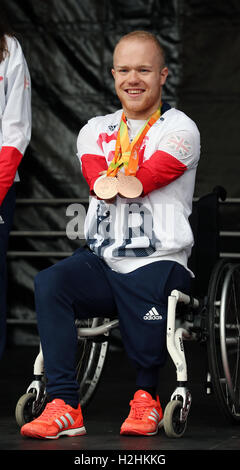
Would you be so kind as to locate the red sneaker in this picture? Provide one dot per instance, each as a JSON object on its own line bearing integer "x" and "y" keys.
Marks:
{"x": 58, "y": 419}
{"x": 145, "y": 416}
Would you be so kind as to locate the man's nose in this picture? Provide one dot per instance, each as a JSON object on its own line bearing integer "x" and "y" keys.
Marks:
{"x": 133, "y": 76}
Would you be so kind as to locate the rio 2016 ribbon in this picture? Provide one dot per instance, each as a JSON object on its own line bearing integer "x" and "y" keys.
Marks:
{"x": 126, "y": 156}
{"x": 126, "y": 153}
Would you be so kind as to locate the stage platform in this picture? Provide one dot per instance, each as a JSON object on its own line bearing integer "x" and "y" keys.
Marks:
{"x": 206, "y": 430}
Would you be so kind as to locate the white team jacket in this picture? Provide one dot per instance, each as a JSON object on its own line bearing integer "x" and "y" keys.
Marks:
{"x": 15, "y": 113}
{"x": 129, "y": 234}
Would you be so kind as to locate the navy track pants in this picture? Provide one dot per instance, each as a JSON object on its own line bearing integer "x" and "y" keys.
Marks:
{"x": 83, "y": 286}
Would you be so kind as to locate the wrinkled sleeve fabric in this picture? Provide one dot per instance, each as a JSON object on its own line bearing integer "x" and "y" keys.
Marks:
{"x": 91, "y": 156}
{"x": 177, "y": 152}
{"x": 16, "y": 117}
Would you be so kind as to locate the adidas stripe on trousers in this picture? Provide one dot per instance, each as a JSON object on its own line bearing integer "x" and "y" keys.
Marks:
{"x": 83, "y": 286}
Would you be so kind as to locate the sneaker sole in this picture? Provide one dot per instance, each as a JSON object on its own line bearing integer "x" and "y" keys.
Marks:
{"x": 67, "y": 432}
{"x": 135, "y": 432}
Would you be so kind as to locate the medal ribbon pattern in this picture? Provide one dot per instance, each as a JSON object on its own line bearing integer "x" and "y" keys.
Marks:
{"x": 126, "y": 153}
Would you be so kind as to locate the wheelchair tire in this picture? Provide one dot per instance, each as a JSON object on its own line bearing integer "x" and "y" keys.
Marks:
{"x": 91, "y": 356}
{"x": 223, "y": 337}
{"x": 24, "y": 409}
{"x": 173, "y": 427}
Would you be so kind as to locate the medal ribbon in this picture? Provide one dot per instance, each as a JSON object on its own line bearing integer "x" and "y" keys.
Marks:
{"x": 126, "y": 153}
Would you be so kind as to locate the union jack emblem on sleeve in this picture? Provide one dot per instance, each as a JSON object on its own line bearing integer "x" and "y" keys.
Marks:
{"x": 179, "y": 144}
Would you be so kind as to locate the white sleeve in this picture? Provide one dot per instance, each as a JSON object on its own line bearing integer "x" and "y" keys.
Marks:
{"x": 16, "y": 116}
{"x": 17, "y": 119}
{"x": 183, "y": 145}
{"x": 91, "y": 157}
{"x": 87, "y": 143}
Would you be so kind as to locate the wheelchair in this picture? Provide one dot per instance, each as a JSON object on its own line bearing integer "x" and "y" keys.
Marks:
{"x": 210, "y": 315}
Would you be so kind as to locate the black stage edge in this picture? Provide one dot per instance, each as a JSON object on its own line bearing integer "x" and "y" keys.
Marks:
{"x": 208, "y": 438}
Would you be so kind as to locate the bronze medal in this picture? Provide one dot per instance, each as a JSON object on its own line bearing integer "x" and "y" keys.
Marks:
{"x": 129, "y": 186}
{"x": 106, "y": 187}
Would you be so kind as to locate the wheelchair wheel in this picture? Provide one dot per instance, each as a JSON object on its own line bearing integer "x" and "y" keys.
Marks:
{"x": 173, "y": 426}
{"x": 91, "y": 357}
{"x": 24, "y": 409}
{"x": 223, "y": 344}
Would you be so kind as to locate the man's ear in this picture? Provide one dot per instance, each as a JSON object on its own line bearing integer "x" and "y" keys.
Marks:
{"x": 164, "y": 74}
{"x": 113, "y": 73}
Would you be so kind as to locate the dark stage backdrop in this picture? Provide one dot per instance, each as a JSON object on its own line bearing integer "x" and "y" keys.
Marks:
{"x": 68, "y": 46}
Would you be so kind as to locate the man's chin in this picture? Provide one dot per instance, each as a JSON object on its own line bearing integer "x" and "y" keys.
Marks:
{"x": 133, "y": 110}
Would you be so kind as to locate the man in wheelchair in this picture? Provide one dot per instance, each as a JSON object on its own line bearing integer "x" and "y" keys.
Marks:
{"x": 140, "y": 164}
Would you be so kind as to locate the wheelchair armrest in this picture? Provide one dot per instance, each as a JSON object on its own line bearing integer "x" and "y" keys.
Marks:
{"x": 186, "y": 299}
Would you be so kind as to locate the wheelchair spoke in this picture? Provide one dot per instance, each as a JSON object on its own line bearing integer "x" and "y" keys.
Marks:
{"x": 229, "y": 311}
{"x": 90, "y": 359}
{"x": 224, "y": 337}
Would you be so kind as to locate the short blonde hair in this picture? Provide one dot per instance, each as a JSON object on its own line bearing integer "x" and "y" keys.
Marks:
{"x": 146, "y": 36}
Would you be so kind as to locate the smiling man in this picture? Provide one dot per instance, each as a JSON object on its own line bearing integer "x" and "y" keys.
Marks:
{"x": 140, "y": 164}
{"x": 139, "y": 74}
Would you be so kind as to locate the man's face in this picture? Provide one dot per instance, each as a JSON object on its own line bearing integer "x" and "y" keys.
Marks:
{"x": 139, "y": 77}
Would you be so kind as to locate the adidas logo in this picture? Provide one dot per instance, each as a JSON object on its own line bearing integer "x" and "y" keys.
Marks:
{"x": 65, "y": 422}
{"x": 152, "y": 314}
{"x": 154, "y": 415}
